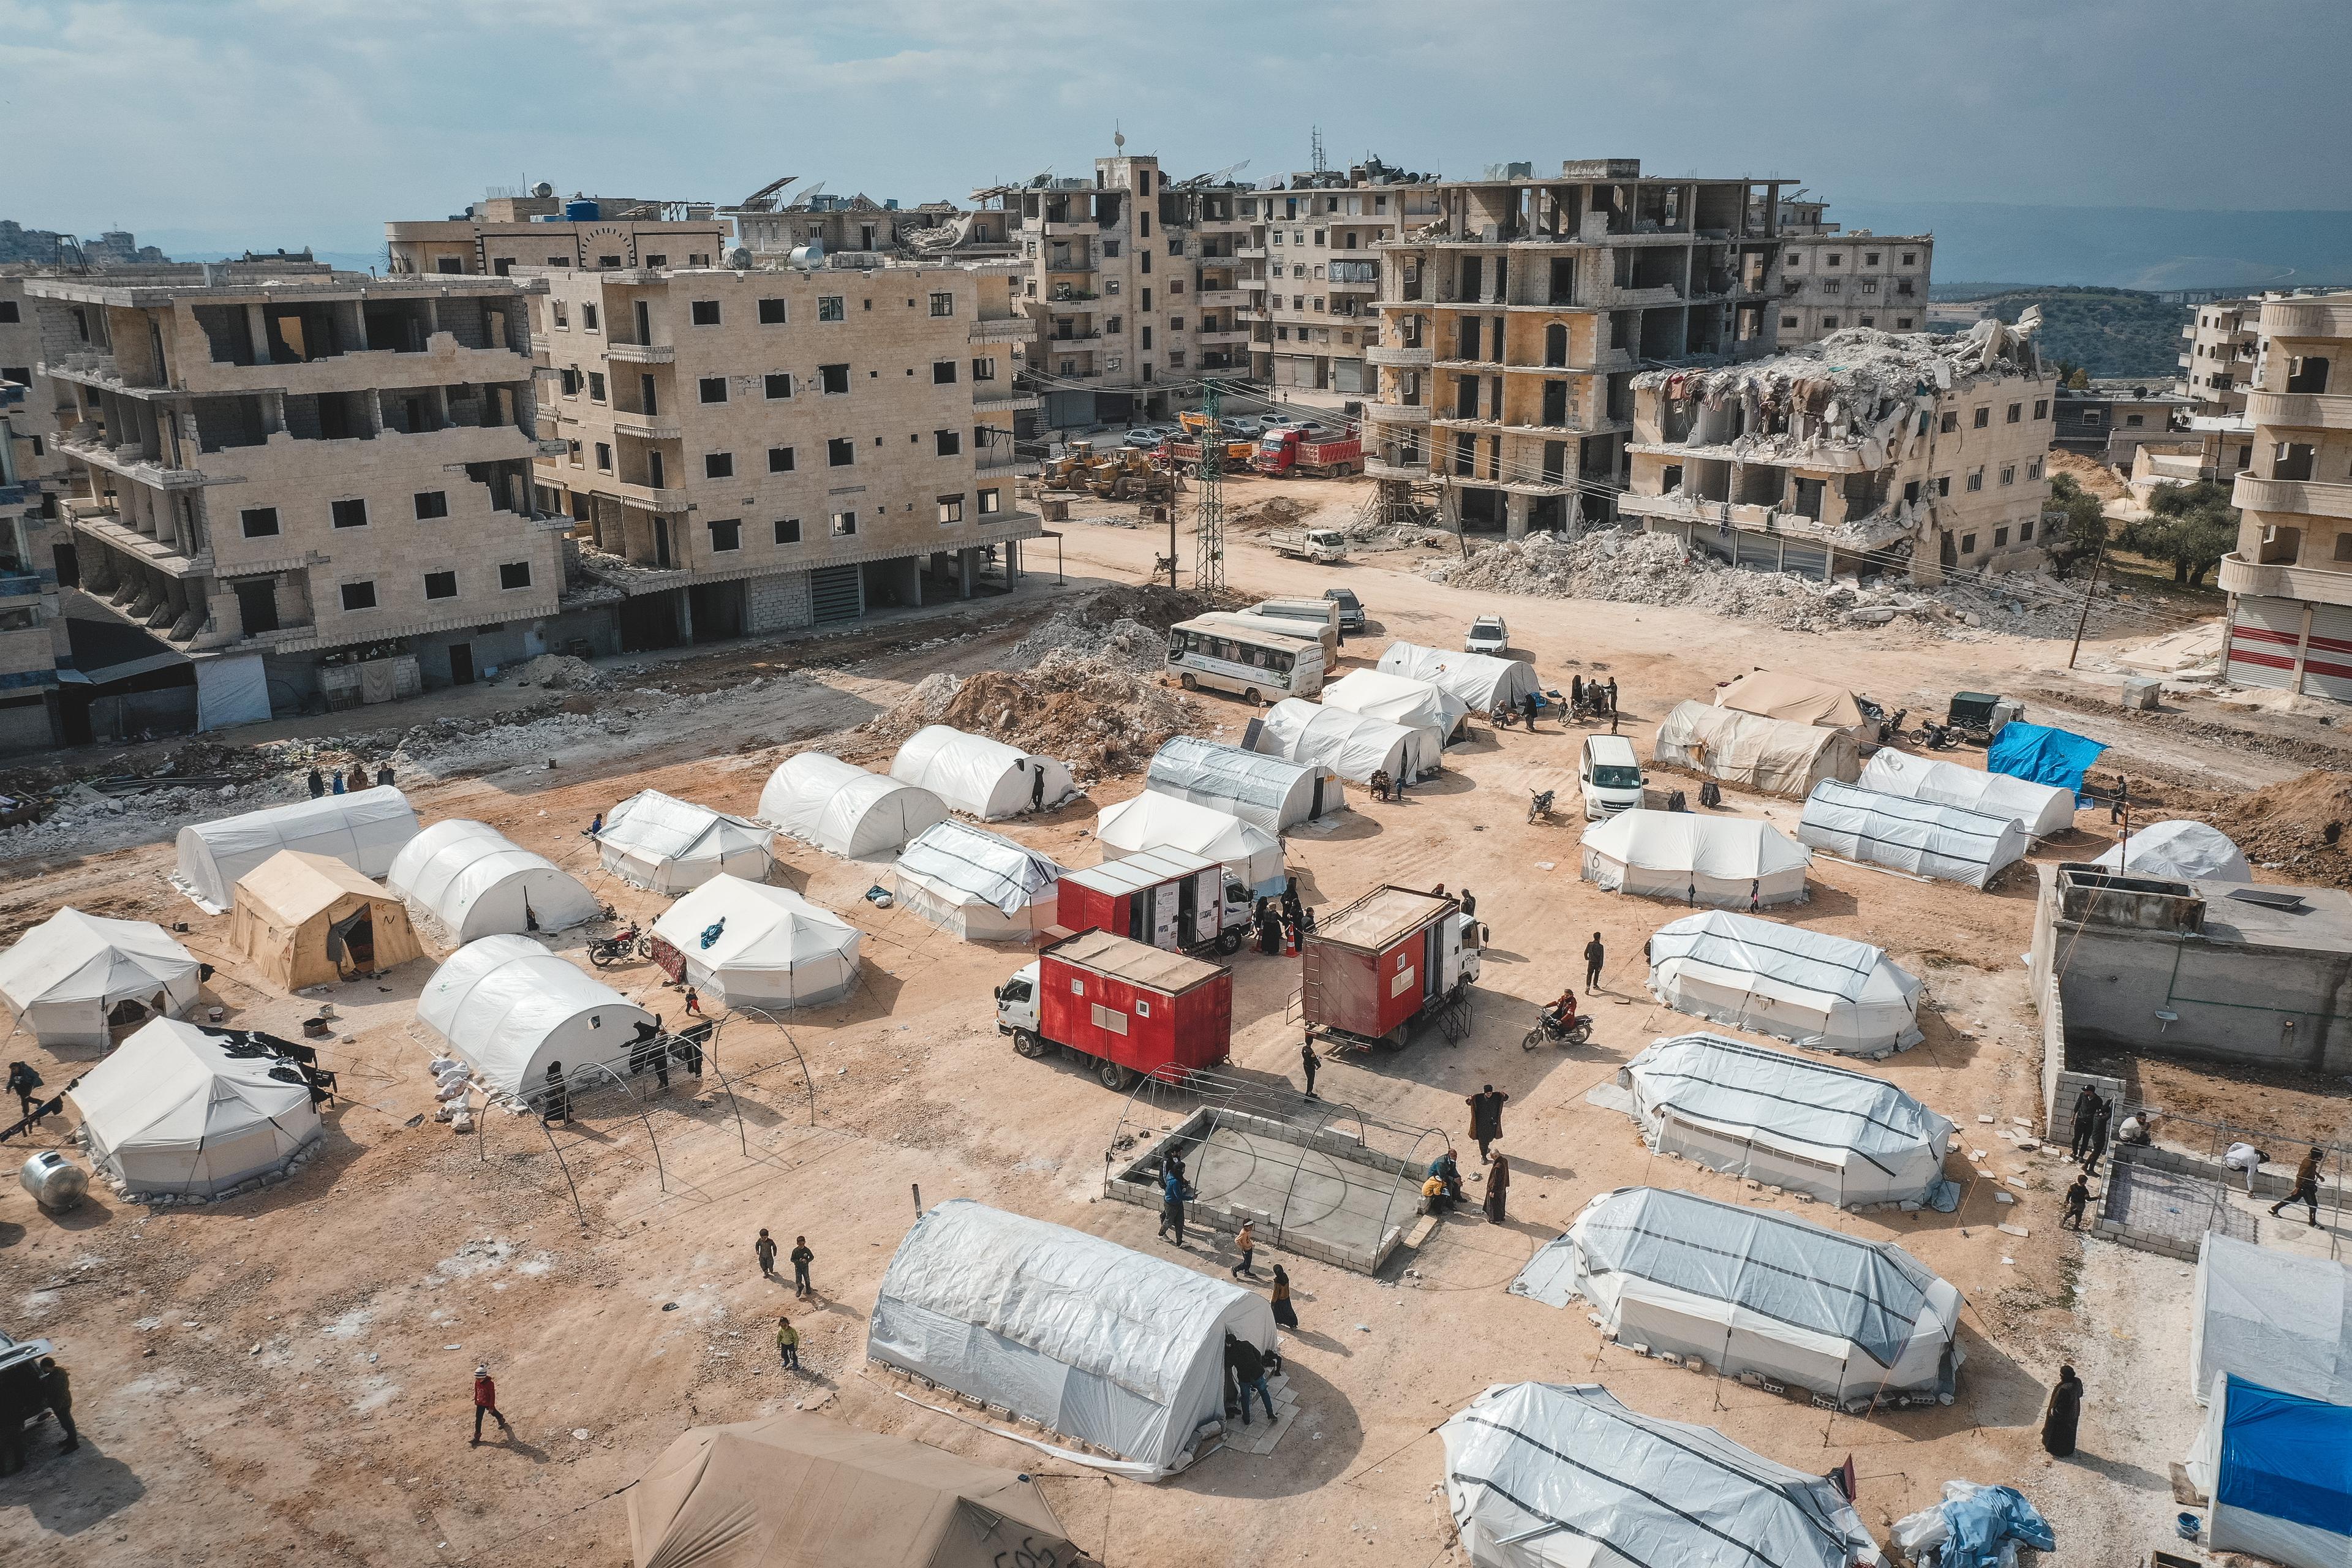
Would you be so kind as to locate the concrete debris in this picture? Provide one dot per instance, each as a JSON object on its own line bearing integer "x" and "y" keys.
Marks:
{"x": 562, "y": 672}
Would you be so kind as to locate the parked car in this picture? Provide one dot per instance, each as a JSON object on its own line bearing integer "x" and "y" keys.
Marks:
{"x": 1148, "y": 437}
{"x": 1243, "y": 426}
{"x": 1488, "y": 635}
{"x": 1351, "y": 609}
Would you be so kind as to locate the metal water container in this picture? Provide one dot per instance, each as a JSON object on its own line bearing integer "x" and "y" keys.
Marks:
{"x": 56, "y": 1182}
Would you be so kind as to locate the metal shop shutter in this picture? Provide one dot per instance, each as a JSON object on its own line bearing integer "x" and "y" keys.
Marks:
{"x": 2263, "y": 640}
{"x": 2327, "y": 663}
{"x": 836, "y": 593}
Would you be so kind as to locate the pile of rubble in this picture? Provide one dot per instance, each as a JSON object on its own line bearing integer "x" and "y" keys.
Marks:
{"x": 2300, "y": 826}
{"x": 1124, "y": 642}
{"x": 561, "y": 672}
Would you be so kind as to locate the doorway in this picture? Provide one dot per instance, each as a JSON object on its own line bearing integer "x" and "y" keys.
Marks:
{"x": 461, "y": 664}
{"x": 645, "y": 328}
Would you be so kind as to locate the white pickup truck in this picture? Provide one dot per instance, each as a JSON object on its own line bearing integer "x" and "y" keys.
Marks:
{"x": 1311, "y": 543}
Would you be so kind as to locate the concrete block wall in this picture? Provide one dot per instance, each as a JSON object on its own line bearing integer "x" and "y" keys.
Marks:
{"x": 778, "y": 603}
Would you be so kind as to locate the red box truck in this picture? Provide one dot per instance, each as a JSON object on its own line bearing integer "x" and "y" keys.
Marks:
{"x": 1127, "y": 1008}
{"x": 1371, "y": 968}
{"x": 1162, "y": 898}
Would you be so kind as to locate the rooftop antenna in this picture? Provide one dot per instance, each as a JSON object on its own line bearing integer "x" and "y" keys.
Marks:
{"x": 1315, "y": 146}
{"x": 1118, "y": 138}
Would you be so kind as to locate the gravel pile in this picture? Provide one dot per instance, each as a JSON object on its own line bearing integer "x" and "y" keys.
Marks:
{"x": 1128, "y": 644}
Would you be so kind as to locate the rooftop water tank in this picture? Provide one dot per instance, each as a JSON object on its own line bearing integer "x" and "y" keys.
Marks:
{"x": 579, "y": 210}
{"x": 56, "y": 1182}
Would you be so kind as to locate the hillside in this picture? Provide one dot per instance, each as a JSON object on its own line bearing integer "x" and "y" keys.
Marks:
{"x": 2129, "y": 248}
{"x": 2112, "y": 331}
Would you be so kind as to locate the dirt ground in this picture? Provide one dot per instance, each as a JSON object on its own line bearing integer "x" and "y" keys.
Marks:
{"x": 287, "y": 1377}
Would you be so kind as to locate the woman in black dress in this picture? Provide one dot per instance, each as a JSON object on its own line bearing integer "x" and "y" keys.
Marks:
{"x": 2065, "y": 1411}
{"x": 1284, "y": 1313}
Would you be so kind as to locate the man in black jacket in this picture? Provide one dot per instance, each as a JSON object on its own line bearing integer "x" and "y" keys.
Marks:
{"x": 1246, "y": 1365}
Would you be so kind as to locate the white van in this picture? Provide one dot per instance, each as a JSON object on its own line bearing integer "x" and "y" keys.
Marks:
{"x": 1609, "y": 776}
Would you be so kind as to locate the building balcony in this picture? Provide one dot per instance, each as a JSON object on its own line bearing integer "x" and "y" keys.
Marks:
{"x": 1070, "y": 264}
{"x": 1401, "y": 358}
{"x": 1216, "y": 298}
{"x": 641, "y": 353}
{"x": 1071, "y": 341}
{"x": 646, "y": 498}
{"x": 1609, "y": 362}
{"x": 1225, "y": 226}
{"x": 132, "y": 462}
{"x": 1072, "y": 229}
{"x": 2313, "y": 585}
{"x": 645, "y": 426}
{"x": 1352, "y": 285}
{"x": 163, "y": 555}
{"x": 444, "y": 362}
{"x": 987, "y": 466}
{"x": 1249, "y": 253}
{"x": 1004, "y": 330}
{"x": 1208, "y": 336}
{"x": 1397, "y": 413}
{"x": 2306, "y": 498}
{"x": 2307, "y": 317}
{"x": 2300, "y": 410}
{"x": 1254, "y": 285}
{"x": 1006, "y": 403}
{"x": 1384, "y": 469}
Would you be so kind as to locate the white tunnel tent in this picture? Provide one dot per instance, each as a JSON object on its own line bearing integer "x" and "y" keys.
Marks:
{"x": 476, "y": 882}
{"x": 745, "y": 944}
{"x": 511, "y": 1008}
{"x": 364, "y": 830}
{"x": 1266, "y": 792}
{"x": 2041, "y": 809}
{"x": 1352, "y": 745}
{"x": 657, "y": 842}
{"x": 841, "y": 808}
{"x": 1155, "y": 821}
{"x": 1431, "y": 713}
{"x": 183, "y": 1111}
{"x": 1550, "y": 1474}
{"x": 1481, "y": 681}
{"x": 1118, "y": 1349}
{"x": 2195, "y": 850}
{"x": 1790, "y": 1121}
{"x": 978, "y": 885}
{"x": 1777, "y": 756}
{"x": 1751, "y": 1290}
{"x": 1726, "y": 860}
{"x": 980, "y": 776}
{"x": 1830, "y": 993}
{"x": 1919, "y": 836}
{"x": 75, "y": 978}
{"x": 2280, "y": 1318}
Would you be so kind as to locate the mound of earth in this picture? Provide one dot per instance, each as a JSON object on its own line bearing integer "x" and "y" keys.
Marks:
{"x": 2303, "y": 826}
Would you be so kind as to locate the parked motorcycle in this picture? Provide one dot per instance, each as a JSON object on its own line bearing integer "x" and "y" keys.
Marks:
{"x": 621, "y": 947}
{"x": 1549, "y": 1032}
{"x": 1540, "y": 804}
{"x": 1504, "y": 716}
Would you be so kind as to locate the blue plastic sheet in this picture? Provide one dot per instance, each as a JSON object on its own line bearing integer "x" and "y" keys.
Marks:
{"x": 2044, "y": 755}
{"x": 2287, "y": 1456}
{"x": 1980, "y": 1521}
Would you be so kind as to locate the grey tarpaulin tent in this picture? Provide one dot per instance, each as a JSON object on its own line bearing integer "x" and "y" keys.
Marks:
{"x": 1808, "y": 987}
{"x": 978, "y": 885}
{"x": 2274, "y": 1318}
{"x": 1480, "y": 680}
{"x": 1949, "y": 843}
{"x": 1266, "y": 792}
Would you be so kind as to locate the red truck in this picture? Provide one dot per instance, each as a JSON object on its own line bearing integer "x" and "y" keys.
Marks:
{"x": 1371, "y": 968}
{"x": 1317, "y": 455}
{"x": 1162, "y": 898}
{"x": 1130, "y": 1009}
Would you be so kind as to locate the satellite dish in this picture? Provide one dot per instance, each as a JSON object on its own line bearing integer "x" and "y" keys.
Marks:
{"x": 1118, "y": 136}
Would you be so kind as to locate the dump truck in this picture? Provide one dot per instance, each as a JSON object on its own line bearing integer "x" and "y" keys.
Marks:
{"x": 1325, "y": 544}
{"x": 1132, "y": 1011}
{"x": 1166, "y": 899}
{"x": 1395, "y": 957}
{"x": 1187, "y": 453}
{"x": 1314, "y": 455}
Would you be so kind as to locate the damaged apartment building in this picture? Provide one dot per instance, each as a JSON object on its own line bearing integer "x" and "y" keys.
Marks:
{"x": 773, "y": 223}
{"x": 538, "y": 229}
{"x": 1512, "y": 321}
{"x": 1311, "y": 274}
{"x": 2218, "y": 351}
{"x": 1867, "y": 453}
{"x": 1832, "y": 281}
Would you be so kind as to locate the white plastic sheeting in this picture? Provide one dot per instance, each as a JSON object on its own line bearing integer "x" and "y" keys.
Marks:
{"x": 1266, "y": 792}
{"x": 66, "y": 975}
{"x": 363, "y": 830}
{"x": 2280, "y": 1318}
{"x": 2041, "y": 809}
{"x": 173, "y": 1111}
{"x": 1728, "y": 860}
{"x": 657, "y": 842}
{"x": 477, "y": 882}
{"x": 1115, "y": 1348}
{"x": 1156, "y": 821}
{"x": 1944, "y": 842}
{"x": 979, "y": 776}
{"x": 1752, "y": 1290}
{"x": 1552, "y": 1475}
{"x": 1480, "y": 680}
{"x": 511, "y": 1008}
{"x": 979, "y": 885}
{"x": 1352, "y": 745}
{"x": 772, "y": 949}
{"x": 231, "y": 690}
{"x": 1430, "y": 712}
{"x": 1807, "y": 986}
{"x": 842, "y": 809}
{"x": 2193, "y": 850}
{"x": 1769, "y": 754}
{"x": 1790, "y": 1121}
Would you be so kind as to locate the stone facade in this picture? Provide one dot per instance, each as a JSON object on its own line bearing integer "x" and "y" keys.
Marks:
{"x": 1832, "y": 281}
{"x": 2217, "y": 353}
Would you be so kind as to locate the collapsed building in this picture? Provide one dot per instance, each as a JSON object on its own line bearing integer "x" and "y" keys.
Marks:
{"x": 1868, "y": 453}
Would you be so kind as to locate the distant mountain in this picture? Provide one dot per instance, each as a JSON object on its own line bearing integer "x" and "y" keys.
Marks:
{"x": 2120, "y": 247}
{"x": 2109, "y": 332}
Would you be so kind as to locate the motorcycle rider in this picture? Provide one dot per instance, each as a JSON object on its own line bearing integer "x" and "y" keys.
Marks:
{"x": 1560, "y": 1016}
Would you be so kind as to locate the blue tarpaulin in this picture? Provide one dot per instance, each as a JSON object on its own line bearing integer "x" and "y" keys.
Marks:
{"x": 2286, "y": 1456}
{"x": 1980, "y": 1521}
{"x": 2044, "y": 755}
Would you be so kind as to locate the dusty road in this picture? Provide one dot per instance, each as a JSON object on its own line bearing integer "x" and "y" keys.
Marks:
{"x": 286, "y": 1378}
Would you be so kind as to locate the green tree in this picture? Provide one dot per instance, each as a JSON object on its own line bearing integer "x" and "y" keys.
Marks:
{"x": 2080, "y": 381}
{"x": 2073, "y": 525}
{"x": 2191, "y": 526}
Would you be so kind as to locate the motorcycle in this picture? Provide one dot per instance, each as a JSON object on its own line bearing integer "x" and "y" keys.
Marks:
{"x": 1540, "y": 804}
{"x": 1937, "y": 737}
{"x": 621, "y": 947}
{"x": 1547, "y": 1031}
{"x": 1504, "y": 716}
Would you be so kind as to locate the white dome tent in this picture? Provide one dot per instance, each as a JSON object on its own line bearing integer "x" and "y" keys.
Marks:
{"x": 667, "y": 845}
{"x": 1792, "y": 1121}
{"x": 976, "y": 885}
{"x": 2041, "y": 809}
{"x": 1118, "y": 1349}
{"x": 1353, "y": 745}
{"x": 1431, "y": 713}
{"x": 980, "y": 776}
{"x": 772, "y": 948}
{"x": 509, "y": 1007}
{"x": 75, "y": 978}
{"x": 1752, "y": 1290}
{"x": 476, "y": 882}
{"x": 1727, "y": 860}
{"x": 845, "y": 810}
{"x": 1156, "y": 821}
{"x": 1553, "y": 1475}
{"x": 2194, "y": 850}
{"x": 1806, "y": 986}
{"x": 1266, "y": 792}
{"x": 363, "y": 830}
{"x": 1479, "y": 681}
{"x": 1919, "y": 836}
{"x": 185, "y": 1111}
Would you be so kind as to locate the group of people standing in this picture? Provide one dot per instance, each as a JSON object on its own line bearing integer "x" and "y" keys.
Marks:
{"x": 1281, "y": 921}
{"x": 347, "y": 781}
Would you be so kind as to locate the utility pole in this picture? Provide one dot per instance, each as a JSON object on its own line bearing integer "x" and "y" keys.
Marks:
{"x": 1209, "y": 510}
{"x": 2089, "y": 589}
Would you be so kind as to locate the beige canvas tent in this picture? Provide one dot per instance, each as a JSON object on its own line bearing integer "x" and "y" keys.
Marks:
{"x": 800, "y": 1489}
{"x": 1774, "y": 694}
{"x": 307, "y": 920}
{"x": 1775, "y": 755}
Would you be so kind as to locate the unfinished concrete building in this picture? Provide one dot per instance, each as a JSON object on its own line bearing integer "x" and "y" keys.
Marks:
{"x": 2217, "y": 367}
{"x": 1865, "y": 453}
{"x": 1832, "y": 281}
{"x": 747, "y": 451}
{"x": 507, "y": 230}
{"x": 32, "y": 471}
{"x": 1512, "y": 323}
{"x": 1306, "y": 259}
{"x": 2290, "y": 579}
{"x": 771, "y": 222}
{"x": 323, "y": 471}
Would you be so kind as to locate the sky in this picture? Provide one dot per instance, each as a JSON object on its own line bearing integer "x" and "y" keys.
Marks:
{"x": 232, "y": 122}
